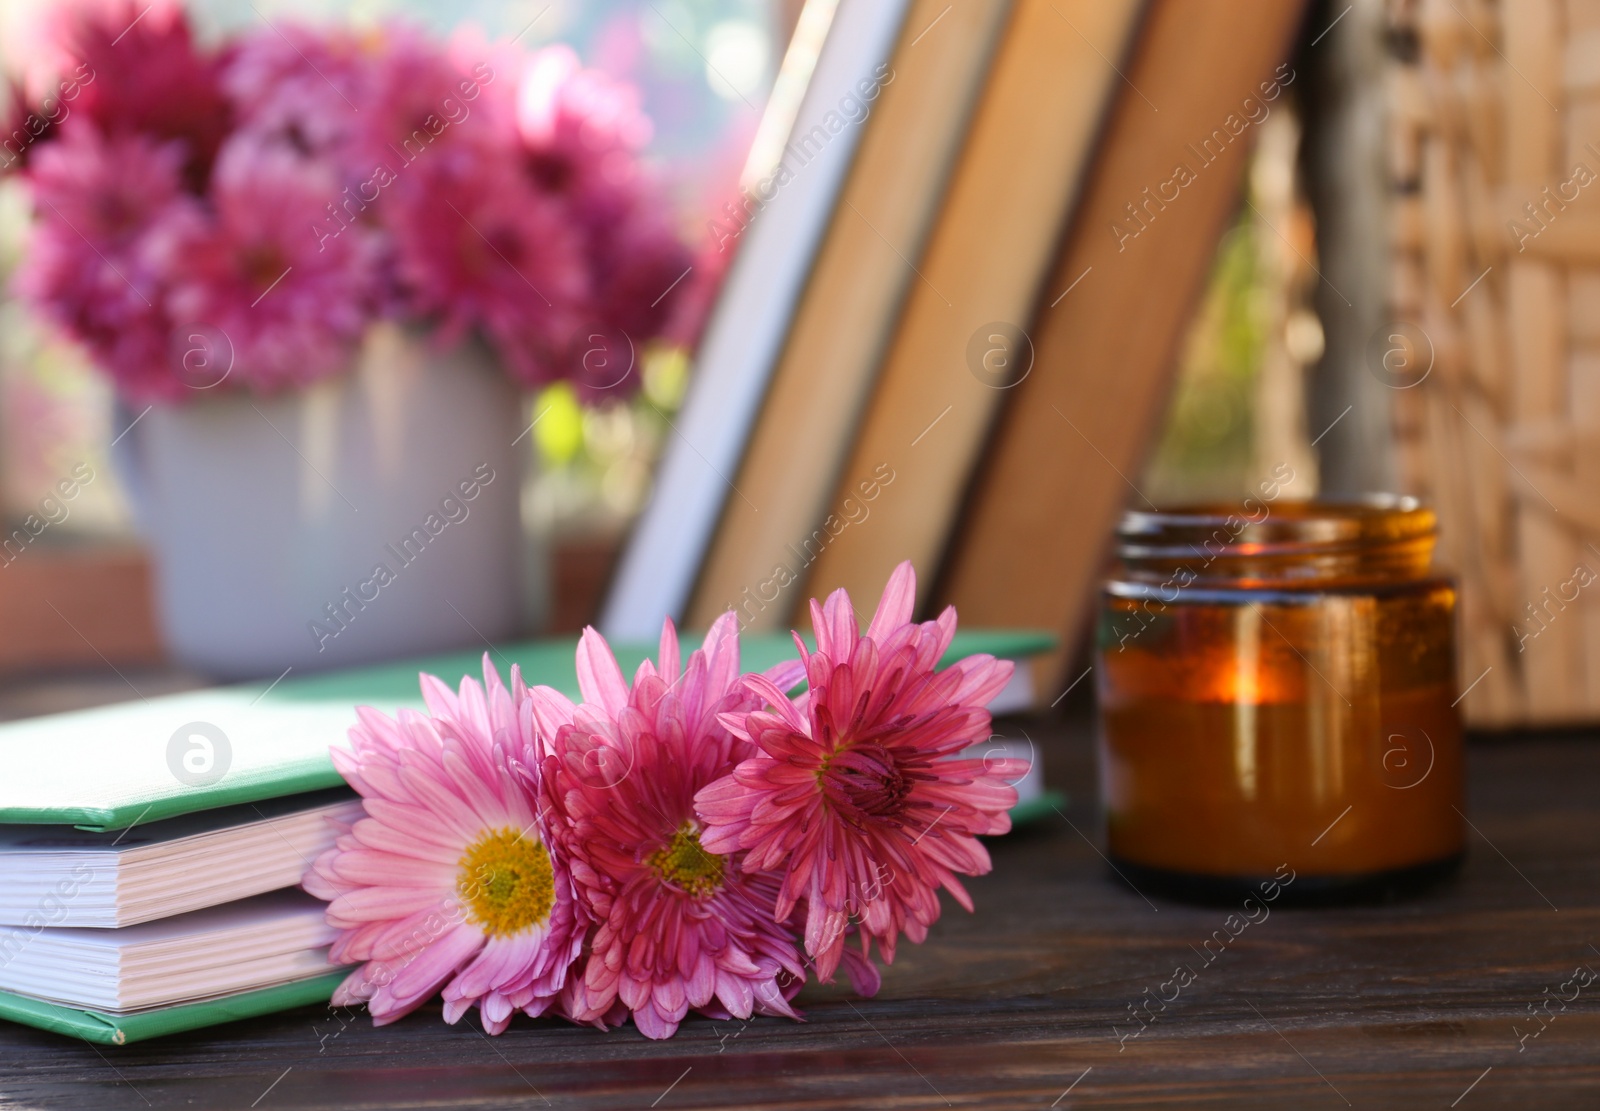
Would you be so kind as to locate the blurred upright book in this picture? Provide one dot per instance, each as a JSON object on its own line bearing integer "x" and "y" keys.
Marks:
{"x": 836, "y": 66}
{"x": 1164, "y": 184}
{"x": 988, "y": 332}
{"x": 960, "y": 340}
{"x": 802, "y": 436}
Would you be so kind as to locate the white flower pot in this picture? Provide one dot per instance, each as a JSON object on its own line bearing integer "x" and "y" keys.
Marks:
{"x": 371, "y": 516}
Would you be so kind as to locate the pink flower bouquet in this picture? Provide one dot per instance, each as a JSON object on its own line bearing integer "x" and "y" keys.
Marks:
{"x": 253, "y": 208}
{"x": 696, "y": 840}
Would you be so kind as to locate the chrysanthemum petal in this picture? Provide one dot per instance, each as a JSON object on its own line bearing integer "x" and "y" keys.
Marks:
{"x": 435, "y": 963}
{"x": 898, "y": 601}
{"x": 599, "y": 676}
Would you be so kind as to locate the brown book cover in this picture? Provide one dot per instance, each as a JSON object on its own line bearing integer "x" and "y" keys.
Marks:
{"x": 848, "y": 311}
{"x": 987, "y": 255}
{"x": 1065, "y": 454}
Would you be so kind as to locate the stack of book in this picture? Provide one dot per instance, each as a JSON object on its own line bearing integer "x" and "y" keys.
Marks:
{"x": 948, "y": 336}
{"x": 151, "y": 852}
{"x": 150, "y": 855}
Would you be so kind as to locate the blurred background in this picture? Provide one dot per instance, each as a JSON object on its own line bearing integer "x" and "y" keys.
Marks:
{"x": 703, "y": 69}
{"x": 1370, "y": 315}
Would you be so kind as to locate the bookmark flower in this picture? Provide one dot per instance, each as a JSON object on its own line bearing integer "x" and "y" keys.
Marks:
{"x": 855, "y": 794}
{"x": 452, "y": 880}
{"x": 679, "y": 927}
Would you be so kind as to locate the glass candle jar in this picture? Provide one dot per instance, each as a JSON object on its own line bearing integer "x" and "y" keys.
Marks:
{"x": 1277, "y": 695}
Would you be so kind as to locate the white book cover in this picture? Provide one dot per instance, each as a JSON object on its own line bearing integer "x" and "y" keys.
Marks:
{"x": 58, "y": 876}
{"x": 797, "y": 186}
{"x": 254, "y": 943}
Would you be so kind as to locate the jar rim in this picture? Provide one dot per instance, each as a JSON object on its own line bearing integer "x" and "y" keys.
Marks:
{"x": 1259, "y": 527}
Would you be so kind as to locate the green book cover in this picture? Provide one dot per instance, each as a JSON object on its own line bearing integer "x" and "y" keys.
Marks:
{"x": 116, "y": 766}
{"x": 96, "y": 1026}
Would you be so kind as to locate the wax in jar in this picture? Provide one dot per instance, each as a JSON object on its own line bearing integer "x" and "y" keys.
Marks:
{"x": 1280, "y": 692}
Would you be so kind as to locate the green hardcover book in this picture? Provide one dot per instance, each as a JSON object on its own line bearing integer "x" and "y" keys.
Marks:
{"x": 110, "y": 1029}
{"x": 136, "y": 786}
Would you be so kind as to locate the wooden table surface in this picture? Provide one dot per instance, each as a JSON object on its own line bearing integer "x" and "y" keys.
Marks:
{"x": 1413, "y": 1004}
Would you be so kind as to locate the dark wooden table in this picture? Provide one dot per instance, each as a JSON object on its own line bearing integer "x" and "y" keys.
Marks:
{"x": 1413, "y": 1004}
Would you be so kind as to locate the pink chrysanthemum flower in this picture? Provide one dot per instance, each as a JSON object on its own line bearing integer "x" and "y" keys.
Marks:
{"x": 679, "y": 927}
{"x": 148, "y": 77}
{"x": 581, "y": 132}
{"x": 638, "y": 267}
{"x": 291, "y": 304}
{"x": 90, "y": 265}
{"x": 423, "y": 97}
{"x": 452, "y": 879}
{"x": 304, "y": 89}
{"x": 24, "y": 124}
{"x": 857, "y": 794}
{"x": 581, "y": 136}
{"x": 478, "y": 248}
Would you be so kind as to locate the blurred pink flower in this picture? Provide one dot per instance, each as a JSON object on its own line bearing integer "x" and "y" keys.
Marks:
{"x": 314, "y": 181}
{"x": 301, "y": 88}
{"x": 290, "y": 302}
{"x": 641, "y": 272}
{"x": 477, "y": 249}
{"x": 23, "y": 124}
{"x": 679, "y": 927}
{"x": 148, "y": 77}
{"x": 452, "y": 879}
{"x": 422, "y": 97}
{"x": 90, "y": 266}
{"x": 582, "y": 133}
{"x": 107, "y": 190}
{"x": 856, "y": 794}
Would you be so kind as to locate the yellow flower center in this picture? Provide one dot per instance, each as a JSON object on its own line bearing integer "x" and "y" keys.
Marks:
{"x": 685, "y": 865}
{"x": 506, "y": 882}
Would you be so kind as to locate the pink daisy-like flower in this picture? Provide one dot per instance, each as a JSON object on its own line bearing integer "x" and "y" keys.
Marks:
{"x": 857, "y": 794}
{"x": 423, "y": 97}
{"x": 679, "y": 927}
{"x": 451, "y": 879}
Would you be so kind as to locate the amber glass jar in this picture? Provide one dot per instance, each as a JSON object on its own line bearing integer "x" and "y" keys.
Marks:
{"x": 1277, "y": 687}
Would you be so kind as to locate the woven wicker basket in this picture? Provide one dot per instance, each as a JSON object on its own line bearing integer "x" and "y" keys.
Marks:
{"x": 1495, "y": 294}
